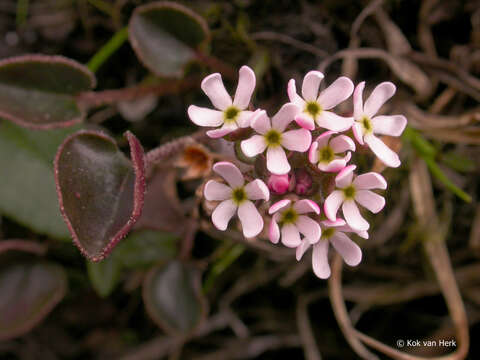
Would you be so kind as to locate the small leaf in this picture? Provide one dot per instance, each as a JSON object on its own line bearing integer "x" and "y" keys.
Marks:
{"x": 38, "y": 91}
{"x": 27, "y": 190}
{"x": 146, "y": 247}
{"x": 166, "y": 35}
{"x": 28, "y": 292}
{"x": 172, "y": 297}
{"x": 100, "y": 191}
{"x": 104, "y": 275}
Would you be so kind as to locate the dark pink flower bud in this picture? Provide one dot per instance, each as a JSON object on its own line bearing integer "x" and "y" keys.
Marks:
{"x": 278, "y": 183}
{"x": 303, "y": 182}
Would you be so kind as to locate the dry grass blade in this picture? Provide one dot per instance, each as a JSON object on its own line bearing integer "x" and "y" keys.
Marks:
{"x": 341, "y": 313}
{"x": 307, "y": 337}
{"x": 397, "y": 43}
{"x": 423, "y": 120}
{"x": 404, "y": 69}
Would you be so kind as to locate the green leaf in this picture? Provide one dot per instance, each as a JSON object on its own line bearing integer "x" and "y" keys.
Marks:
{"x": 139, "y": 250}
{"x": 104, "y": 275}
{"x": 28, "y": 292}
{"x": 458, "y": 162}
{"x": 172, "y": 297}
{"x": 100, "y": 191}
{"x": 39, "y": 91}
{"x": 27, "y": 186}
{"x": 143, "y": 248}
{"x": 166, "y": 36}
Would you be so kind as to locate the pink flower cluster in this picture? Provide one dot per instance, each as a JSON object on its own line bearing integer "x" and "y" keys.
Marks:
{"x": 292, "y": 173}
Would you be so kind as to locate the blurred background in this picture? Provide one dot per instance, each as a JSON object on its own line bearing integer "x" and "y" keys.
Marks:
{"x": 228, "y": 298}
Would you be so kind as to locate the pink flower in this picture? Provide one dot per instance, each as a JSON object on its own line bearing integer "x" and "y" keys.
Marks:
{"x": 314, "y": 106}
{"x": 236, "y": 198}
{"x": 271, "y": 135}
{"x": 279, "y": 184}
{"x": 288, "y": 221}
{"x": 367, "y": 125}
{"x": 332, "y": 232}
{"x": 324, "y": 150}
{"x": 351, "y": 191}
{"x": 231, "y": 115}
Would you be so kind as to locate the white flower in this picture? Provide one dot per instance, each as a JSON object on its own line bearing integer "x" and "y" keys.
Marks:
{"x": 324, "y": 150}
{"x": 271, "y": 135}
{"x": 236, "y": 198}
{"x": 367, "y": 125}
{"x": 314, "y": 107}
{"x": 232, "y": 115}
{"x": 351, "y": 191}
{"x": 332, "y": 232}
{"x": 289, "y": 220}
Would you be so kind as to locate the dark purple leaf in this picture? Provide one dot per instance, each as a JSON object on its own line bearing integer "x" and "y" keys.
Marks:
{"x": 173, "y": 298}
{"x": 166, "y": 35}
{"x": 28, "y": 292}
{"x": 100, "y": 191}
{"x": 39, "y": 91}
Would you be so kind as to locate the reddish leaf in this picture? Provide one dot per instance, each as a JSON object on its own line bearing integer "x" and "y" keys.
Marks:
{"x": 39, "y": 91}
{"x": 166, "y": 35}
{"x": 173, "y": 298}
{"x": 101, "y": 193}
{"x": 28, "y": 292}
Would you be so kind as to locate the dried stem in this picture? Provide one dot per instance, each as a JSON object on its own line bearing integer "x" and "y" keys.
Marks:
{"x": 96, "y": 98}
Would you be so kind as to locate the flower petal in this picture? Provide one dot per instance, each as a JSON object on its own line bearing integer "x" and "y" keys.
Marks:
{"x": 284, "y": 116}
{"x": 245, "y": 87}
{"x": 305, "y": 206}
{"x": 224, "y": 130}
{"x": 257, "y": 190}
{"x": 323, "y": 139}
{"x": 309, "y": 228}
{"x": 277, "y": 162}
{"x": 305, "y": 121}
{"x": 337, "y": 223}
{"x": 253, "y": 146}
{"x": 334, "y": 165}
{"x": 349, "y": 250}
{"x": 370, "y": 200}
{"x": 338, "y": 91}
{"x": 205, "y": 117}
{"x": 331, "y": 121}
{"x": 378, "y": 97}
{"x": 278, "y": 205}
{"x": 392, "y": 125}
{"x": 370, "y": 180}
{"x": 230, "y": 173}
{"x": 353, "y": 217}
{"x": 358, "y": 132}
{"x": 344, "y": 177}
{"x": 332, "y": 204}
{"x": 342, "y": 143}
{"x": 290, "y": 236}
{"x": 382, "y": 151}
{"x": 313, "y": 153}
{"x": 223, "y": 213}
{"x": 310, "y": 85}
{"x": 215, "y": 191}
{"x": 320, "y": 265}
{"x": 244, "y": 118}
{"x": 358, "y": 101}
{"x": 252, "y": 221}
{"x": 274, "y": 231}
{"x": 301, "y": 249}
{"x": 260, "y": 122}
{"x": 297, "y": 140}
{"x": 213, "y": 87}
{"x": 292, "y": 94}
